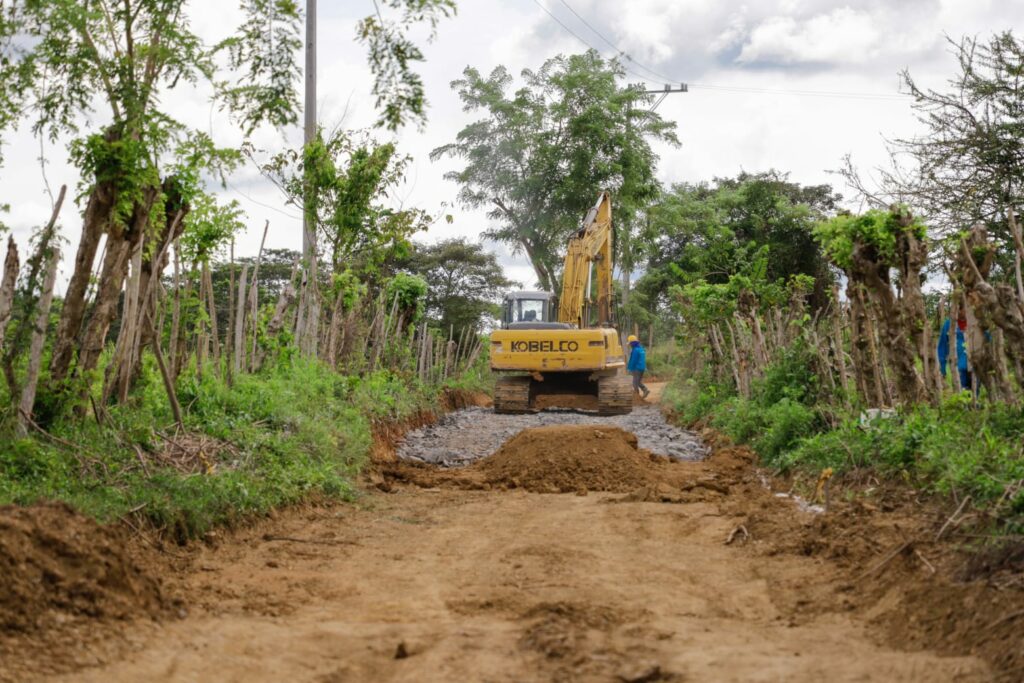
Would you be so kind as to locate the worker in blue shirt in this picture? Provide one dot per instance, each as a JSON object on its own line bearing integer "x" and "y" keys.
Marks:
{"x": 961, "y": 351}
{"x": 637, "y": 364}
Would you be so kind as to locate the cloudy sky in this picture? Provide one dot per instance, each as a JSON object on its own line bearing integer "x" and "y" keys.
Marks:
{"x": 786, "y": 84}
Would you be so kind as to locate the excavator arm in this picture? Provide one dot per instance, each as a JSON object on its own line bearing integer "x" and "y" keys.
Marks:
{"x": 589, "y": 255}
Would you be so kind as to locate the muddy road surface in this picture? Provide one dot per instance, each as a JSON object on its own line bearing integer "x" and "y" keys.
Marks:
{"x": 701, "y": 574}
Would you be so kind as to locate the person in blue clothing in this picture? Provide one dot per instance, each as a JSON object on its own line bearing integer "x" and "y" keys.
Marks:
{"x": 637, "y": 364}
{"x": 961, "y": 351}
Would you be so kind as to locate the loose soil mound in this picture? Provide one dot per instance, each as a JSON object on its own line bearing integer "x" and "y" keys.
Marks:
{"x": 563, "y": 459}
{"x": 56, "y": 562}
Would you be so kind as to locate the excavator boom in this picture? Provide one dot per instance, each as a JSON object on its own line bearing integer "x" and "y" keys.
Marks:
{"x": 589, "y": 254}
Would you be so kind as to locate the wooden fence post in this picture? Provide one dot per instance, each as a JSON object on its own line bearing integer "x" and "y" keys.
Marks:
{"x": 42, "y": 319}
{"x": 10, "y": 279}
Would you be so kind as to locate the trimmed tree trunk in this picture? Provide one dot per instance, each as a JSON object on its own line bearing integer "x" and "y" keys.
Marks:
{"x": 96, "y": 223}
{"x": 240, "y": 320}
{"x": 121, "y": 243}
{"x": 865, "y": 358}
{"x": 156, "y": 254}
{"x": 994, "y": 308}
{"x": 7, "y": 283}
{"x": 1018, "y": 244}
{"x": 175, "y": 311}
{"x": 837, "y": 344}
{"x": 897, "y": 322}
{"x": 119, "y": 371}
{"x": 42, "y": 319}
{"x": 212, "y": 310}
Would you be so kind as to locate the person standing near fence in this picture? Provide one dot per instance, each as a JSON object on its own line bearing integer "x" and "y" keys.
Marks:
{"x": 637, "y": 364}
{"x": 962, "y": 365}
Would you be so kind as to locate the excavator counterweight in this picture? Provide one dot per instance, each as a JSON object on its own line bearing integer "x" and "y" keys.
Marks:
{"x": 574, "y": 349}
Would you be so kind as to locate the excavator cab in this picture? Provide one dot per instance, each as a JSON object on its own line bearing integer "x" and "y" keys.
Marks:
{"x": 530, "y": 311}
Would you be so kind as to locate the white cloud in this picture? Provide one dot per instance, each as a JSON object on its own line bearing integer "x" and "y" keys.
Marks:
{"x": 842, "y": 36}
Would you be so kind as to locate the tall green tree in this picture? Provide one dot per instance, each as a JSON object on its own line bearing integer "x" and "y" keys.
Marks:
{"x": 140, "y": 167}
{"x": 465, "y": 282}
{"x": 344, "y": 180}
{"x": 100, "y": 72}
{"x": 540, "y": 154}
{"x": 713, "y": 231}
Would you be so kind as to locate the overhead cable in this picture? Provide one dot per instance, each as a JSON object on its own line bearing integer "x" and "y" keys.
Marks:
{"x": 736, "y": 89}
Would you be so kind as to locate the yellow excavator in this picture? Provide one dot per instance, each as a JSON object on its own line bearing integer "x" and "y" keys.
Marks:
{"x": 573, "y": 350}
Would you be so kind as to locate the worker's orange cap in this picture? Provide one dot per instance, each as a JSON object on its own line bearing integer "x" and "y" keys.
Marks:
{"x": 632, "y": 338}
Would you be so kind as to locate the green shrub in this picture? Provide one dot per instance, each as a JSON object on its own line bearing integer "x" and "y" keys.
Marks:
{"x": 740, "y": 419}
{"x": 789, "y": 376}
{"x": 954, "y": 448}
{"x": 296, "y": 429}
{"x": 786, "y": 423}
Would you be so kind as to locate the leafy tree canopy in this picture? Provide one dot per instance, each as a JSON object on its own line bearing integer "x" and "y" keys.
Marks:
{"x": 877, "y": 230}
{"x": 209, "y": 227}
{"x": 539, "y": 155}
{"x": 465, "y": 282}
{"x": 713, "y": 231}
{"x": 344, "y": 180}
{"x": 399, "y": 89}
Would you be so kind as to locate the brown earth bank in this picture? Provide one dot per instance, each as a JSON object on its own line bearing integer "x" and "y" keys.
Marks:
{"x": 673, "y": 572}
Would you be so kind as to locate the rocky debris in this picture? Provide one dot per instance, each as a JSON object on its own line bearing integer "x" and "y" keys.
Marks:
{"x": 468, "y": 435}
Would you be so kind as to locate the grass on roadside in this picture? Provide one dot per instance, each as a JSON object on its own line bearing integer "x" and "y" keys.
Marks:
{"x": 295, "y": 430}
{"x": 954, "y": 448}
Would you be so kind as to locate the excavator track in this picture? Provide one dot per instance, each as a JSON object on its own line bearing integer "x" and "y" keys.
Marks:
{"x": 615, "y": 395}
{"x": 512, "y": 395}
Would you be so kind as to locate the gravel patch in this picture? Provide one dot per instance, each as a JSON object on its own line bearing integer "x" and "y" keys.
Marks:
{"x": 466, "y": 435}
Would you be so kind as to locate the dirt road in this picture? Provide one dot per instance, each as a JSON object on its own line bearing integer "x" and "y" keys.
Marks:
{"x": 445, "y": 584}
{"x": 478, "y": 586}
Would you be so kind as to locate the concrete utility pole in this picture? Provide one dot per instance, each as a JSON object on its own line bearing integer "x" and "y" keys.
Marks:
{"x": 308, "y": 317}
{"x": 668, "y": 90}
{"x": 308, "y": 238}
{"x": 626, "y": 266}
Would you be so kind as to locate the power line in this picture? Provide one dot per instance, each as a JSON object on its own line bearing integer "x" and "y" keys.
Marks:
{"x": 252, "y": 199}
{"x": 615, "y": 47}
{"x": 840, "y": 94}
{"x": 584, "y": 41}
{"x": 834, "y": 94}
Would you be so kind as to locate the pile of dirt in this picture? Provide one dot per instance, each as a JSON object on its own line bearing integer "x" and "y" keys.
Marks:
{"x": 572, "y": 458}
{"x": 56, "y": 563}
{"x": 577, "y": 458}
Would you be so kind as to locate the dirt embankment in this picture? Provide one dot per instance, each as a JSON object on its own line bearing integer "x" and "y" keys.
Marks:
{"x": 65, "y": 581}
{"x": 57, "y": 563}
